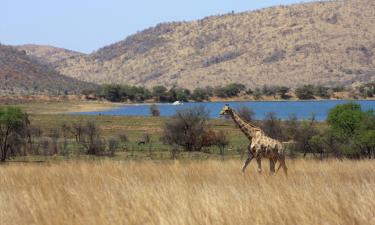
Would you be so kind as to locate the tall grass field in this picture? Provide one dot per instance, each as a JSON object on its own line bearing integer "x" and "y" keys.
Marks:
{"x": 194, "y": 192}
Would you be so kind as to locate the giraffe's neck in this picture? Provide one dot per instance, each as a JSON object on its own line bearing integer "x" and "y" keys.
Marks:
{"x": 246, "y": 127}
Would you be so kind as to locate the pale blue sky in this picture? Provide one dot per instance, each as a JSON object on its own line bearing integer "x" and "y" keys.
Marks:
{"x": 86, "y": 25}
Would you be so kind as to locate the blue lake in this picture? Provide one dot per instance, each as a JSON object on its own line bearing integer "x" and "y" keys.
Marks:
{"x": 302, "y": 109}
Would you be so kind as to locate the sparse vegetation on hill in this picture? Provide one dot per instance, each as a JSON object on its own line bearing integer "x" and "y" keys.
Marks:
{"x": 47, "y": 55}
{"x": 326, "y": 43}
{"x": 20, "y": 74}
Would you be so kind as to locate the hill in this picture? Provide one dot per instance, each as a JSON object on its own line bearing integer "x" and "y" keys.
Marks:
{"x": 47, "y": 55}
{"x": 20, "y": 74}
{"x": 329, "y": 43}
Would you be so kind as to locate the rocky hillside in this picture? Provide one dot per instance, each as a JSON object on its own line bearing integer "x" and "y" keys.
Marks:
{"x": 327, "y": 43}
{"x": 47, "y": 55}
{"x": 20, "y": 74}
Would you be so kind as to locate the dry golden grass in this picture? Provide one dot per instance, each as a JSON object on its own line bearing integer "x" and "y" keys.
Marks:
{"x": 206, "y": 192}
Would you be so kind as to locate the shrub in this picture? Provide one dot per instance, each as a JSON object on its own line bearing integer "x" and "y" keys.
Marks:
{"x": 160, "y": 93}
{"x": 283, "y": 91}
{"x": 200, "y": 94}
{"x": 91, "y": 139}
{"x": 221, "y": 141}
{"x": 272, "y": 126}
{"x": 231, "y": 90}
{"x": 187, "y": 128}
{"x": 113, "y": 145}
{"x": 154, "y": 110}
{"x": 246, "y": 113}
{"x": 305, "y": 92}
{"x": 321, "y": 91}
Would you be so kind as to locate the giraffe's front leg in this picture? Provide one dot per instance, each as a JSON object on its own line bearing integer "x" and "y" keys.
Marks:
{"x": 272, "y": 166}
{"x": 250, "y": 156}
{"x": 259, "y": 161}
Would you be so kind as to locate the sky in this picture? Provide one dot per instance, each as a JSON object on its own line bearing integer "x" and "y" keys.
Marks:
{"x": 86, "y": 25}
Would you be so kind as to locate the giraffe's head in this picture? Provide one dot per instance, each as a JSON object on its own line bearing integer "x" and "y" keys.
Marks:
{"x": 226, "y": 110}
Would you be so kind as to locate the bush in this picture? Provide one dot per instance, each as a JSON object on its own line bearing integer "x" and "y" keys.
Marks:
{"x": 187, "y": 128}
{"x": 160, "y": 93}
{"x": 113, "y": 145}
{"x": 200, "y": 95}
{"x": 230, "y": 90}
{"x": 305, "y": 92}
{"x": 283, "y": 92}
{"x": 271, "y": 125}
{"x": 322, "y": 91}
{"x": 246, "y": 113}
{"x": 91, "y": 139}
{"x": 221, "y": 141}
{"x": 257, "y": 94}
{"x": 154, "y": 110}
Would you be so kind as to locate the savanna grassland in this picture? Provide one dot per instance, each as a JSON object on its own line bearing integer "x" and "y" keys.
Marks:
{"x": 195, "y": 192}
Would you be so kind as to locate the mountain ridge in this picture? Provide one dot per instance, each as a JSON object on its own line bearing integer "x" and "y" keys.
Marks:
{"x": 322, "y": 43}
{"x": 21, "y": 74}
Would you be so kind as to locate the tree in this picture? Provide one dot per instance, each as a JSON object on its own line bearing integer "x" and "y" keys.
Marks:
{"x": 272, "y": 126}
{"x": 305, "y": 92}
{"x": 91, "y": 139}
{"x": 321, "y": 91}
{"x": 364, "y": 136}
{"x": 257, "y": 93}
{"x": 112, "y": 92}
{"x": 229, "y": 90}
{"x": 160, "y": 93}
{"x": 187, "y": 128}
{"x": 345, "y": 119}
{"x": 13, "y": 123}
{"x": 200, "y": 94}
{"x": 246, "y": 113}
{"x": 282, "y": 91}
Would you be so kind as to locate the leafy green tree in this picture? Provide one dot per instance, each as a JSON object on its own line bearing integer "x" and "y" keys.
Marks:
{"x": 13, "y": 123}
{"x": 182, "y": 95}
{"x": 365, "y": 135}
{"x": 345, "y": 119}
{"x": 111, "y": 92}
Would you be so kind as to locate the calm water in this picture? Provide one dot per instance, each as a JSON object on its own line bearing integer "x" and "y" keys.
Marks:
{"x": 302, "y": 109}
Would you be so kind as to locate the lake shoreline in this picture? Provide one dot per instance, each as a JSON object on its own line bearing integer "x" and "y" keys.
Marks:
{"x": 283, "y": 109}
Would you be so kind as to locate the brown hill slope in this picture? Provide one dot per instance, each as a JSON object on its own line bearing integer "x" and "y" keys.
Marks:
{"x": 20, "y": 74}
{"x": 47, "y": 55}
{"x": 326, "y": 43}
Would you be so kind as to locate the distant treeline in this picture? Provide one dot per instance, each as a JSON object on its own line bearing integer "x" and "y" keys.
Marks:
{"x": 125, "y": 93}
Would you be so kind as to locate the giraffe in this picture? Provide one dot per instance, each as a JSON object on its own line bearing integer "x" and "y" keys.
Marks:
{"x": 261, "y": 146}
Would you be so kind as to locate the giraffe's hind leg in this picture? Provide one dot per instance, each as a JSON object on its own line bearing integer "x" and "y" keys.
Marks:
{"x": 248, "y": 160}
{"x": 282, "y": 164}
